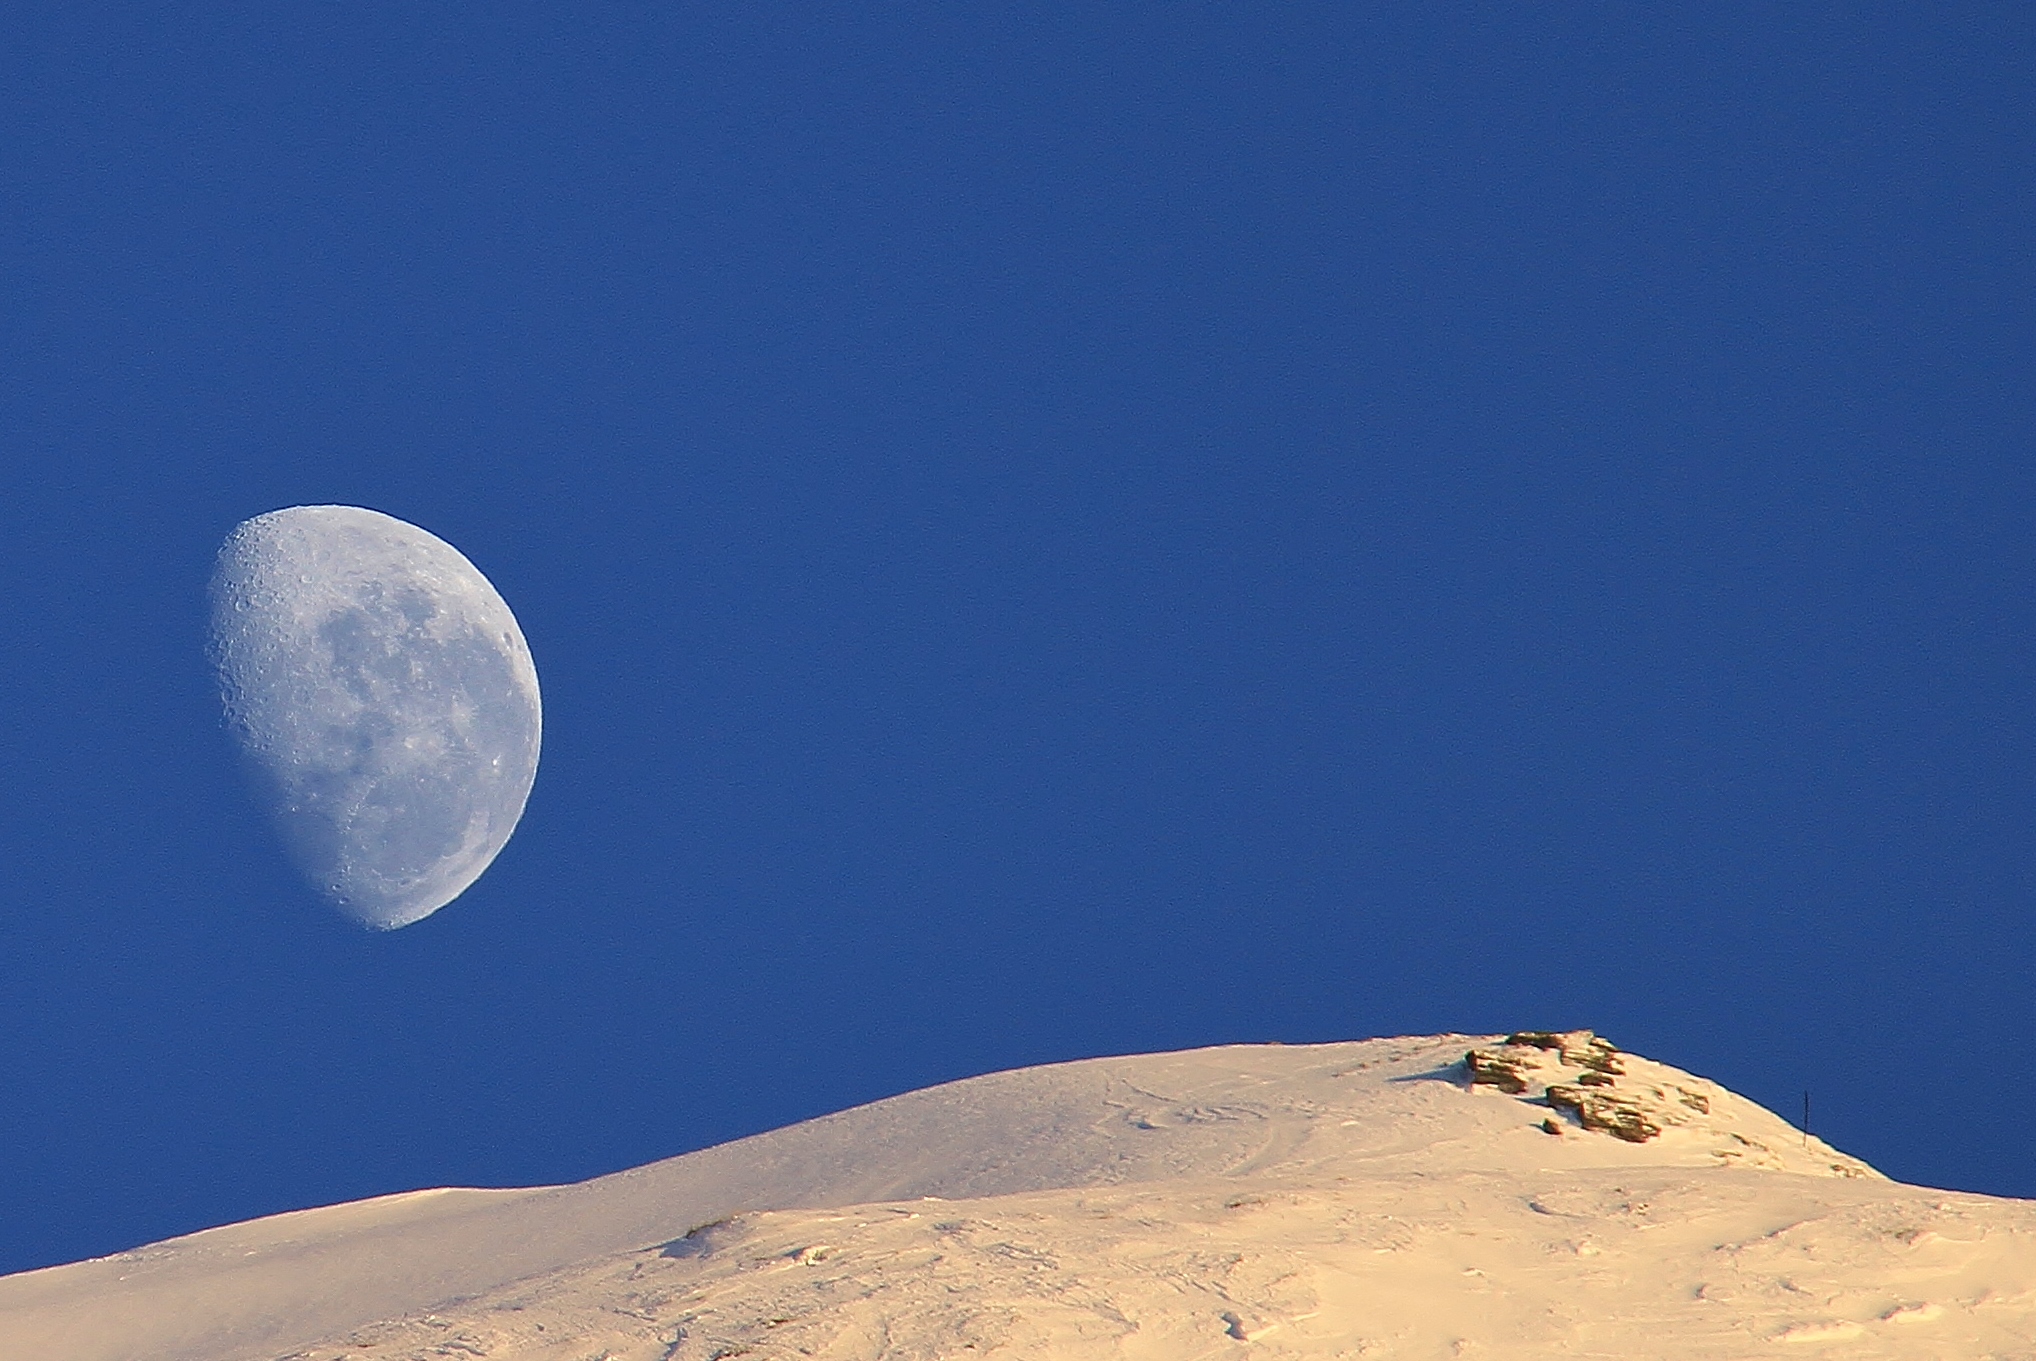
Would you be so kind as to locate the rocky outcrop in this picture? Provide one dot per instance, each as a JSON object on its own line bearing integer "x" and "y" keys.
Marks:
{"x": 1508, "y": 1066}
{"x": 1488, "y": 1068}
{"x": 1572, "y": 1048}
{"x": 1578, "y": 1073}
{"x": 1620, "y": 1118}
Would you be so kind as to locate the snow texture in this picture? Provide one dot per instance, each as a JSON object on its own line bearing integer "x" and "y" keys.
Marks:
{"x": 1390, "y": 1198}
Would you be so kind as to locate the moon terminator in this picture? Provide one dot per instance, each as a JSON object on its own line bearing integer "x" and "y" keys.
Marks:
{"x": 385, "y": 700}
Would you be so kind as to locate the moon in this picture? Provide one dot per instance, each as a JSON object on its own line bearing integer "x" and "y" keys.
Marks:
{"x": 384, "y": 698}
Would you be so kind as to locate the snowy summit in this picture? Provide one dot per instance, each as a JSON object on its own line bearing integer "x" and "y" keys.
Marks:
{"x": 1541, "y": 1194}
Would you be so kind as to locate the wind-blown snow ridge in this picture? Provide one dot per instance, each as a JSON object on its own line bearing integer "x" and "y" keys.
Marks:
{"x": 1540, "y": 1194}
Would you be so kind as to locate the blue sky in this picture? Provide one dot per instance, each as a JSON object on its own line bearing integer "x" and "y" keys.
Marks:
{"x": 1046, "y": 531}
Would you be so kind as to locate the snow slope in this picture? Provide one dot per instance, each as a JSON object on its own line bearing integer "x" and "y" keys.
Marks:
{"x": 1383, "y": 1198}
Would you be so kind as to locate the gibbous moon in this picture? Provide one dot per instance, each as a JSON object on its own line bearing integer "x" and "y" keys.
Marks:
{"x": 385, "y": 699}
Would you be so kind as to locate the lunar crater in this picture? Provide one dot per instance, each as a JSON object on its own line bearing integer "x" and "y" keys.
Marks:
{"x": 384, "y": 698}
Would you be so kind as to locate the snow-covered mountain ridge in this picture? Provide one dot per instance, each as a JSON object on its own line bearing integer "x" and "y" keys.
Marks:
{"x": 1539, "y": 1194}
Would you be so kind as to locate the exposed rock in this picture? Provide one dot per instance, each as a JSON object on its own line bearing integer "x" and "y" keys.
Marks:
{"x": 1596, "y": 1110}
{"x": 1557, "y": 1040}
{"x": 1498, "y": 1068}
{"x": 1507, "y": 1066}
{"x": 1573, "y": 1048}
{"x": 1582, "y": 1073}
